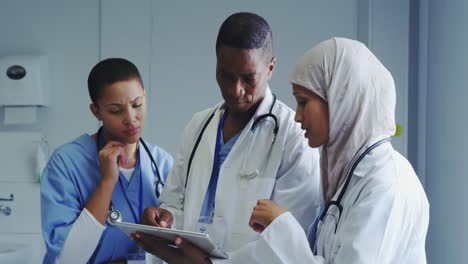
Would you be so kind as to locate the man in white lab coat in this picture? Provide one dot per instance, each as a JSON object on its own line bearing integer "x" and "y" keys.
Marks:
{"x": 243, "y": 149}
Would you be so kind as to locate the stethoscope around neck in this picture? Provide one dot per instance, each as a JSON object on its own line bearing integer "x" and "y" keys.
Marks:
{"x": 100, "y": 142}
{"x": 349, "y": 175}
{"x": 244, "y": 172}
{"x": 114, "y": 214}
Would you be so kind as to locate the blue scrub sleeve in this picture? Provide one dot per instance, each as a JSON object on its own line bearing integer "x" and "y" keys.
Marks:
{"x": 60, "y": 205}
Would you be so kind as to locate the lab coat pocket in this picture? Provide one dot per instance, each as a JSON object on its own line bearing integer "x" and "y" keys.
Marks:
{"x": 258, "y": 152}
{"x": 259, "y": 187}
{"x": 252, "y": 190}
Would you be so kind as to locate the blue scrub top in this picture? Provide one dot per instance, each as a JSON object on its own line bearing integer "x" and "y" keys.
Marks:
{"x": 71, "y": 177}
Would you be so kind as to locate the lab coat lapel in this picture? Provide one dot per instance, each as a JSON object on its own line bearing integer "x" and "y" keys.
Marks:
{"x": 209, "y": 140}
{"x": 200, "y": 174}
{"x": 243, "y": 139}
{"x": 236, "y": 158}
{"x": 265, "y": 105}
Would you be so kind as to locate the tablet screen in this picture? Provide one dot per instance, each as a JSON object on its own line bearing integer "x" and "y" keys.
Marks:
{"x": 201, "y": 240}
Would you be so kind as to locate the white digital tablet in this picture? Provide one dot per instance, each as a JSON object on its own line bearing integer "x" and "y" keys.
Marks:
{"x": 201, "y": 240}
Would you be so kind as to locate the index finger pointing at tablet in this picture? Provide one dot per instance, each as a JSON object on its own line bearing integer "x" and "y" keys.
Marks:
{"x": 156, "y": 216}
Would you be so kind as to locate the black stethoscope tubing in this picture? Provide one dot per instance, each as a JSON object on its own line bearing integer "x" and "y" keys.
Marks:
{"x": 153, "y": 162}
{"x": 337, "y": 202}
{"x": 256, "y": 121}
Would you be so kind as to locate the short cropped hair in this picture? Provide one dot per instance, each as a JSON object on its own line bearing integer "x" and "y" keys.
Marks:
{"x": 108, "y": 72}
{"x": 246, "y": 31}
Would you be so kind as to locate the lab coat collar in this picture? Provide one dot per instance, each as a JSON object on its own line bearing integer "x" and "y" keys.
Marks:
{"x": 265, "y": 105}
{"x": 212, "y": 130}
{"x": 372, "y": 160}
{"x": 263, "y": 108}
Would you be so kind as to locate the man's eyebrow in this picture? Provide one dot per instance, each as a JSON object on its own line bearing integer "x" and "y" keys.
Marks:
{"x": 250, "y": 74}
{"x": 113, "y": 104}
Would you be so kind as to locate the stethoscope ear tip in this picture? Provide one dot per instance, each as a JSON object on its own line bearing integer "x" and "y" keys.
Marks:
{"x": 251, "y": 175}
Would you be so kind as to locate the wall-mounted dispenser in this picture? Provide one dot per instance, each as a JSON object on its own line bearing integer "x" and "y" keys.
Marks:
{"x": 24, "y": 86}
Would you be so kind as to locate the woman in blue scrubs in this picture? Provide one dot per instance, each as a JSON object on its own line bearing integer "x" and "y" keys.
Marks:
{"x": 113, "y": 168}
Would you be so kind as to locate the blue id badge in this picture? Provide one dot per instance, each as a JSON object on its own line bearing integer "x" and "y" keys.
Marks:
{"x": 215, "y": 227}
{"x": 136, "y": 257}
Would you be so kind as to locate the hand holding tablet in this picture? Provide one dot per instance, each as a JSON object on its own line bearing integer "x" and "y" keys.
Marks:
{"x": 201, "y": 240}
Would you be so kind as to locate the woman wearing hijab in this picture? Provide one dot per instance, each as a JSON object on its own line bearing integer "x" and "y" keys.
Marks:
{"x": 375, "y": 209}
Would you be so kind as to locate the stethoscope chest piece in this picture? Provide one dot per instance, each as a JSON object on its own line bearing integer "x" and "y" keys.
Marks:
{"x": 114, "y": 217}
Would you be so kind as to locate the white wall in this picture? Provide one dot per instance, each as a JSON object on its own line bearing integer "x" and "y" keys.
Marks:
{"x": 67, "y": 32}
{"x": 389, "y": 40}
{"x": 172, "y": 43}
{"x": 183, "y": 61}
{"x": 447, "y": 128}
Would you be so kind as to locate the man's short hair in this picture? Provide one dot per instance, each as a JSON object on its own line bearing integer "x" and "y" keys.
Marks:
{"x": 108, "y": 72}
{"x": 246, "y": 31}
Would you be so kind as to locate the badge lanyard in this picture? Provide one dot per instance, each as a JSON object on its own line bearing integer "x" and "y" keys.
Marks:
{"x": 140, "y": 193}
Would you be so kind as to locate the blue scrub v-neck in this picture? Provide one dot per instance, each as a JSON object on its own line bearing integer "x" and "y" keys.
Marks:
{"x": 221, "y": 152}
{"x": 127, "y": 189}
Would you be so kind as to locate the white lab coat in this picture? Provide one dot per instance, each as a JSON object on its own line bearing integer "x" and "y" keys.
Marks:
{"x": 385, "y": 220}
{"x": 291, "y": 177}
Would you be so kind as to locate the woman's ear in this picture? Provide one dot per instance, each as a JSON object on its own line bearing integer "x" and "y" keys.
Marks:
{"x": 94, "y": 110}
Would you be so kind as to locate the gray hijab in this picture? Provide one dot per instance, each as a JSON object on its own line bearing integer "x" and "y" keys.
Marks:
{"x": 360, "y": 93}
